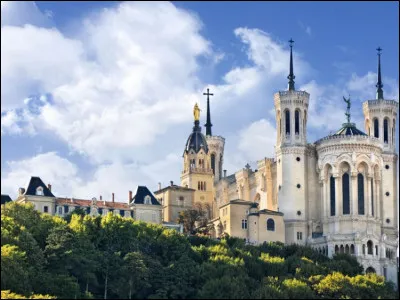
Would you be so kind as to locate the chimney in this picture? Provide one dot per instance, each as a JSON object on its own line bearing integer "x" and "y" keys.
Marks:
{"x": 113, "y": 197}
{"x": 130, "y": 197}
{"x": 159, "y": 186}
{"x": 172, "y": 183}
{"x": 224, "y": 173}
{"x": 49, "y": 186}
{"x": 101, "y": 197}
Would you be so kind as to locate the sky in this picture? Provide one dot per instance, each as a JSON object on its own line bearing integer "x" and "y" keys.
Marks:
{"x": 97, "y": 97}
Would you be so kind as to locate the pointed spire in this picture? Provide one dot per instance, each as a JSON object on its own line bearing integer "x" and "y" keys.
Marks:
{"x": 379, "y": 85}
{"x": 208, "y": 124}
{"x": 291, "y": 76}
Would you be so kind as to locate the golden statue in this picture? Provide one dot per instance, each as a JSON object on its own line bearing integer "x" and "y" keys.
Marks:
{"x": 196, "y": 112}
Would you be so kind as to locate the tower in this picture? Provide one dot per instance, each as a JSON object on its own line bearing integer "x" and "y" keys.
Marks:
{"x": 215, "y": 144}
{"x": 380, "y": 122}
{"x": 291, "y": 154}
{"x": 197, "y": 173}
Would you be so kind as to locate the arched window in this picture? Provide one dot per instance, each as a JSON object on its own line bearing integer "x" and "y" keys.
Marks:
{"x": 346, "y": 193}
{"x": 363, "y": 249}
{"x": 385, "y": 131}
{"x": 352, "y": 249}
{"x": 287, "y": 121}
{"x": 296, "y": 122}
{"x": 336, "y": 249}
{"x": 360, "y": 183}
{"x": 270, "y": 225}
{"x": 205, "y": 186}
{"x": 198, "y": 185}
{"x": 372, "y": 196}
{"x": 39, "y": 191}
{"x": 147, "y": 200}
{"x": 213, "y": 163}
{"x": 332, "y": 188}
{"x": 370, "y": 247}
{"x": 347, "y": 249}
{"x": 376, "y": 128}
{"x": 201, "y": 185}
{"x": 341, "y": 249}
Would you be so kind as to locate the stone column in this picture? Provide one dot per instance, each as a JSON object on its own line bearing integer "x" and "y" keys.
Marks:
{"x": 367, "y": 195}
{"x": 353, "y": 194}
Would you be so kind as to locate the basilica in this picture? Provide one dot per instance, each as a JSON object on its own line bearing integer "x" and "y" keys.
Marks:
{"x": 337, "y": 194}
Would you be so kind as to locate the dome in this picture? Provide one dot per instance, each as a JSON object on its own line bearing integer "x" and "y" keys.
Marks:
{"x": 348, "y": 129}
{"x": 196, "y": 140}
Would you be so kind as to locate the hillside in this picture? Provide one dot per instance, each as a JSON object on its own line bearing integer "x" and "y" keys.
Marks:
{"x": 113, "y": 257}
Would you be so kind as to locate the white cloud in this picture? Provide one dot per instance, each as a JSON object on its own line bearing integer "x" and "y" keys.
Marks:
{"x": 20, "y": 13}
{"x": 257, "y": 140}
{"x": 50, "y": 167}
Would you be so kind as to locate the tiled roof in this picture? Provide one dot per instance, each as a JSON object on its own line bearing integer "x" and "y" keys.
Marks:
{"x": 5, "y": 199}
{"x": 86, "y": 203}
{"x": 349, "y": 129}
{"x": 141, "y": 193}
{"x": 34, "y": 183}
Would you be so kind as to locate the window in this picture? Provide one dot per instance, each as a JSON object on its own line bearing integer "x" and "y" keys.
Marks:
{"x": 296, "y": 122}
{"x": 121, "y": 212}
{"x": 287, "y": 121}
{"x": 60, "y": 210}
{"x": 363, "y": 249}
{"x": 192, "y": 163}
{"x": 39, "y": 191}
{"x": 360, "y": 182}
{"x": 46, "y": 209}
{"x": 205, "y": 188}
{"x": 100, "y": 211}
{"x": 385, "y": 131}
{"x": 332, "y": 188}
{"x": 346, "y": 193}
{"x": 66, "y": 209}
{"x": 88, "y": 209}
{"x": 244, "y": 224}
{"x": 213, "y": 163}
{"x": 299, "y": 236}
{"x": 147, "y": 200}
{"x": 270, "y": 225}
{"x": 372, "y": 196}
{"x": 181, "y": 201}
{"x": 376, "y": 128}
{"x": 224, "y": 225}
{"x": 370, "y": 246}
{"x": 385, "y": 272}
{"x": 376, "y": 250}
{"x": 352, "y": 249}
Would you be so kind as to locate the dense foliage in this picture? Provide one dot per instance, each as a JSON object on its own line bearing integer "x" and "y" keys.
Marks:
{"x": 113, "y": 257}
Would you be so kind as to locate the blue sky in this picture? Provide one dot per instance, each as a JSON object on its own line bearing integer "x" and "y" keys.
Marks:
{"x": 97, "y": 97}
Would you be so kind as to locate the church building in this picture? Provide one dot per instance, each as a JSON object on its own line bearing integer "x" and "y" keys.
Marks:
{"x": 337, "y": 194}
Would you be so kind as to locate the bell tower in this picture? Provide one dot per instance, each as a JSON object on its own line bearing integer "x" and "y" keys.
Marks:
{"x": 215, "y": 144}
{"x": 197, "y": 173}
{"x": 380, "y": 116}
{"x": 291, "y": 108}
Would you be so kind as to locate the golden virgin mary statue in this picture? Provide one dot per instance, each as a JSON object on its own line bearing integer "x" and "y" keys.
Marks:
{"x": 196, "y": 112}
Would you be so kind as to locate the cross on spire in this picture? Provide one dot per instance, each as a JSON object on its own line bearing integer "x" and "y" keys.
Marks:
{"x": 208, "y": 124}
{"x": 291, "y": 76}
{"x": 379, "y": 85}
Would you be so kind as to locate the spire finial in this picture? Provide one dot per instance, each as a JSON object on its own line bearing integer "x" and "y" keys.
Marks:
{"x": 379, "y": 85}
{"x": 208, "y": 124}
{"x": 347, "y": 113}
{"x": 291, "y": 76}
